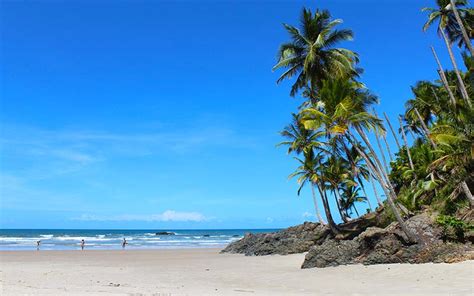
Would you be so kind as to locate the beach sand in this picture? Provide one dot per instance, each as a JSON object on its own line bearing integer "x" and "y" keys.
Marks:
{"x": 206, "y": 272}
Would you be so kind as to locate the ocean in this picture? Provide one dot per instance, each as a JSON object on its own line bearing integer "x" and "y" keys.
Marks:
{"x": 70, "y": 239}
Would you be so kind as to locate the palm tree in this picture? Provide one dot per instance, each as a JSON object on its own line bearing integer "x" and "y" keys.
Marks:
{"x": 448, "y": 21}
{"x": 306, "y": 174}
{"x": 311, "y": 54}
{"x": 301, "y": 140}
{"x": 351, "y": 195}
{"x": 345, "y": 112}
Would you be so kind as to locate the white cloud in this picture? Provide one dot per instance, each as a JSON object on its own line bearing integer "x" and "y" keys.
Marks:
{"x": 307, "y": 215}
{"x": 166, "y": 216}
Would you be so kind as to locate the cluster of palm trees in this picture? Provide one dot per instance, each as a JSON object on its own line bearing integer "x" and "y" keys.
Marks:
{"x": 332, "y": 130}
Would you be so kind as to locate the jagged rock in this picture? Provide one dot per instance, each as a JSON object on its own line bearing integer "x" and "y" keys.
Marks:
{"x": 332, "y": 253}
{"x": 296, "y": 239}
{"x": 389, "y": 245}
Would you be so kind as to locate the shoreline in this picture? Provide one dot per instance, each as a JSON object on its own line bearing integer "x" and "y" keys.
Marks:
{"x": 205, "y": 271}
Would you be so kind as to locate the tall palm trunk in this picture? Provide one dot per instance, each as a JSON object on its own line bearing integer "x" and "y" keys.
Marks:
{"x": 462, "y": 87}
{"x": 468, "y": 193}
{"x": 425, "y": 129}
{"x": 387, "y": 187}
{"x": 393, "y": 131}
{"x": 406, "y": 143}
{"x": 327, "y": 210}
{"x": 365, "y": 193}
{"x": 339, "y": 207}
{"x": 463, "y": 29}
{"x": 355, "y": 209}
{"x": 382, "y": 152}
{"x": 316, "y": 207}
{"x": 388, "y": 148}
{"x": 379, "y": 201}
{"x": 443, "y": 77}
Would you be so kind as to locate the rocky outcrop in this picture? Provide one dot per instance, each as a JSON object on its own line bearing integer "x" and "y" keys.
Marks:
{"x": 389, "y": 245}
{"x": 297, "y": 239}
{"x": 331, "y": 253}
{"x": 363, "y": 241}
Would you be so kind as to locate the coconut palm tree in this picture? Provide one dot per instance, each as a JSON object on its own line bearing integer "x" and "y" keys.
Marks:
{"x": 311, "y": 55}
{"x": 303, "y": 141}
{"x": 345, "y": 114}
{"x": 351, "y": 195}
{"x": 307, "y": 174}
{"x": 447, "y": 21}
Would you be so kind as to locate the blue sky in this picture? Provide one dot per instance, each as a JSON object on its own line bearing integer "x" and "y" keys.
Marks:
{"x": 149, "y": 114}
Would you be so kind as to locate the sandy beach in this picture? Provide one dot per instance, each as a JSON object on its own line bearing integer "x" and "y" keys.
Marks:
{"x": 206, "y": 272}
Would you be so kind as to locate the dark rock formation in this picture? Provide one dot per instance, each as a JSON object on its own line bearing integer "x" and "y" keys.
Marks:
{"x": 297, "y": 239}
{"x": 332, "y": 253}
{"x": 164, "y": 233}
{"x": 389, "y": 245}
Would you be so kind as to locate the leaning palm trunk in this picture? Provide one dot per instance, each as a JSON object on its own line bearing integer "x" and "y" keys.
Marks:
{"x": 443, "y": 77}
{"x": 327, "y": 210}
{"x": 393, "y": 131}
{"x": 365, "y": 193}
{"x": 425, "y": 129}
{"x": 339, "y": 207}
{"x": 463, "y": 29}
{"x": 462, "y": 87}
{"x": 467, "y": 192}
{"x": 316, "y": 207}
{"x": 388, "y": 148}
{"x": 382, "y": 152}
{"x": 406, "y": 143}
{"x": 387, "y": 187}
{"x": 379, "y": 201}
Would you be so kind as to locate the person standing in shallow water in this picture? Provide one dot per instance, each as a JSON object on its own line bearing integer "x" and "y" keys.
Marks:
{"x": 83, "y": 243}
{"x": 38, "y": 243}
{"x": 124, "y": 243}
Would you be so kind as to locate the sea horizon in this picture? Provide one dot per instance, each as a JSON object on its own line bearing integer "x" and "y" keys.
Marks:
{"x": 111, "y": 239}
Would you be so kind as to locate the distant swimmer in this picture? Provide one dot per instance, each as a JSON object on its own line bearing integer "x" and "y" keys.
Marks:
{"x": 83, "y": 243}
{"x": 124, "y": 243}
{"x": 38, "y": 243}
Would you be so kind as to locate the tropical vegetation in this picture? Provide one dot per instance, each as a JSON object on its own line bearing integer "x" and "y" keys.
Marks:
{"x": 332, "y": 134}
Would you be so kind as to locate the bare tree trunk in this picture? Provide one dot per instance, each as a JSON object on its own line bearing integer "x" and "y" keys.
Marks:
{"x": 316, "y": 207}
{"x": 393, "y": 131}
{"x": 406, "y": 143}
{"x": 425, "y": 128}
{"x": 463, "y": 29}
{"x": 468, "y": 193}
{"x": 443, "y": 77}
{"x": 388, "y": 148}
{"x": 357, "y": 212}
{"x": 385, "y": 183}
{"x": 365, "y": 194}
{"x": 327, "y": 210}
{"x": 338, "y": 198}
{"x": 379, "y": 201}
{"x": 462, "y": 87}
{"x": 382, "y": 153}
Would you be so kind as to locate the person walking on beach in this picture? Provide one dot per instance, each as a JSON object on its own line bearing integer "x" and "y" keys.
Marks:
{"x": 82, "y": 244}
{"x": 38, "y": 243}
{"x": 124, "y": 243}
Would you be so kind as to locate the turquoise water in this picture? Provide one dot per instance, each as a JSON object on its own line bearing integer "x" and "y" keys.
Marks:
{"x": 70, "y": 239}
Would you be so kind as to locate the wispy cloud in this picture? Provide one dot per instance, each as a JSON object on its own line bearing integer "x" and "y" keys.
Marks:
{"x": 166, "y": 216}
{"x": 58, "y": 152}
